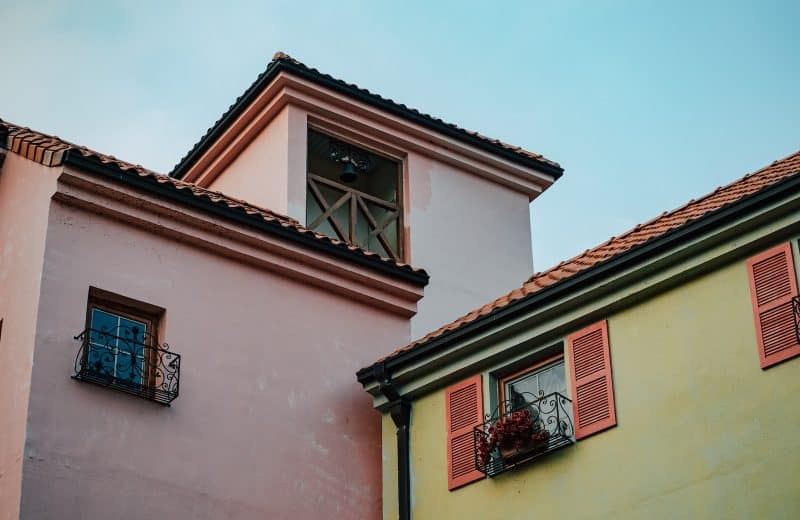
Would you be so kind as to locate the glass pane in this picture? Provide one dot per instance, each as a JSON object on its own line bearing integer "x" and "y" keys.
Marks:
{"x": 100, "y": 359}
{"x": 133, "y": 335}
{"x": 105, "y": 325}
{"x": 523, "y": 389}
{"x": 552, "y": 379}
{"x": 537, "y": 383}
{"x": 116, "y": 346}
{"x": 129, "y": 368}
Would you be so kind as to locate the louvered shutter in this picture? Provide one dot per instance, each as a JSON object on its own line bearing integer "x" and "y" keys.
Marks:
{"x": 592, "y": 386}
{"x": 773, "y": 284}
{"x": 464, "y": 411}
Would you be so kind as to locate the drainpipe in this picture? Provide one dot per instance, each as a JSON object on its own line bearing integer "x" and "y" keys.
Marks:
{"x": 400, "y": 411}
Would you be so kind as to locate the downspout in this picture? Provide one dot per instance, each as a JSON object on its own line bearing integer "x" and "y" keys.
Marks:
{"x": 400, "y": 411}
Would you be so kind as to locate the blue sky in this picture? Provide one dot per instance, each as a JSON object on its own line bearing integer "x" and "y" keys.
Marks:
{"x": 645, "y": 104}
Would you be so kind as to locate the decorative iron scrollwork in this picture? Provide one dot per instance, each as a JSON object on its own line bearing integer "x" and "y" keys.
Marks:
{"x": 127, "y": 360}
{"x": 523, "y": 430}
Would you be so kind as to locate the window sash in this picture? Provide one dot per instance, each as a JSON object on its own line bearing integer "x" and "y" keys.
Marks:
{"x": 125, "y": 360}
{"x": 551, "y": 366}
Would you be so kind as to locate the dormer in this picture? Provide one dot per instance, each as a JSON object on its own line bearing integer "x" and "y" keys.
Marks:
{"x": 384, "y": 177}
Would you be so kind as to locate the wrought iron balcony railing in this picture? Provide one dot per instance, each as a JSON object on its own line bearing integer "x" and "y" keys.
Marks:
{"x": 522, "y": 430}
{"x": 796, "y": 314}
{"x": 127, "y": 360}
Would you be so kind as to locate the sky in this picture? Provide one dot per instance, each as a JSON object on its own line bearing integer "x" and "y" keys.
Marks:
{"x": 645, "y": 104}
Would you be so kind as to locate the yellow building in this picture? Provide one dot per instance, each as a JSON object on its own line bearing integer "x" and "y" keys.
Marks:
{"x": 649, "y": 377}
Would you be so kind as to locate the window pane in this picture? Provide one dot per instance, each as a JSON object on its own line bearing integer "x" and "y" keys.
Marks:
{"x": 105, "y": 324}
{"x": 133, "y": 329}
{"x": 133, "y": 335}
{"x": 116, "y": 346}
{"x": 129, "y": 368}
{"x": 536, "y": 383}
{"x": 100, "y": 359}
{"x": 524, "y": 389}
{"x": 552, "y": 379}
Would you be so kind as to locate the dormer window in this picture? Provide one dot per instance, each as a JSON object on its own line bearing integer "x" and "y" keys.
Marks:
{"x": 353, "y": 194}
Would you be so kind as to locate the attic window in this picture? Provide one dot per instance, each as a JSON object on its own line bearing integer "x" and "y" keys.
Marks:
{"x": 354, "y": 195}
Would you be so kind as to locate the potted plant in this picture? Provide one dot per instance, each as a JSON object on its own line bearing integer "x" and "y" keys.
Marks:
{"x": 514, "y": 435}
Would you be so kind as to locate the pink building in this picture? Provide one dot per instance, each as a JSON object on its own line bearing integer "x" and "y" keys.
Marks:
{"x": 248, "y": 322}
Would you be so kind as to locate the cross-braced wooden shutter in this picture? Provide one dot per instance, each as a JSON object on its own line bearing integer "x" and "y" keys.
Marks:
{"x": 464, "y": 411}
{"x": 773, "y": 284}
{"x": 592, "y": 386}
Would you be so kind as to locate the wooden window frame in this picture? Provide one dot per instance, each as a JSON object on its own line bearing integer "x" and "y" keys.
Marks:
{"x": 125, "y": 307}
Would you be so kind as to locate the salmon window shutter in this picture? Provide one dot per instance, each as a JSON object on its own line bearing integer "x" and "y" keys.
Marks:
{"x": 772, "y": 286}
{"x": 464, "y": 411}
{"x": 592, "y": 386}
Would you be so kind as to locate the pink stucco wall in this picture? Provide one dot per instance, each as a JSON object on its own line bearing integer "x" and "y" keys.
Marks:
{"x": 25, "y": 190}
{"x": 270, "y": 422}
{"x": 472, "y": 236}
{"x": 257, "y": 175}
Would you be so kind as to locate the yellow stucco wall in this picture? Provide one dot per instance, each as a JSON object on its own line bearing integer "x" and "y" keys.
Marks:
{"x": 702, "y": 431}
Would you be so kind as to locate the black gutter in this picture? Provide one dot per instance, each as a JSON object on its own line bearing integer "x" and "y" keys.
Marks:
{"x": 282, "y": 64}
{"x": 400, "y": 411}
{"x": 239, "y": 215}
{"x": 587, "y": 277}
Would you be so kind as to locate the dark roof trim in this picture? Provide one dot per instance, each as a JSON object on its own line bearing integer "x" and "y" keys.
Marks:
{"x": 286, "y": 64}
{"x": 239, "y": 215}
{"x": 589, "y": 276}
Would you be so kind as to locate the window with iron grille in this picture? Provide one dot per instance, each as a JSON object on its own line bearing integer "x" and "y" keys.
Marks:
{"x": 119, "y": 350}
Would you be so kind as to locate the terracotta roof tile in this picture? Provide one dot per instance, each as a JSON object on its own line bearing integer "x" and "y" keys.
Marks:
{"x": 50, "y": 151}
{"x": 667, "y": 221}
